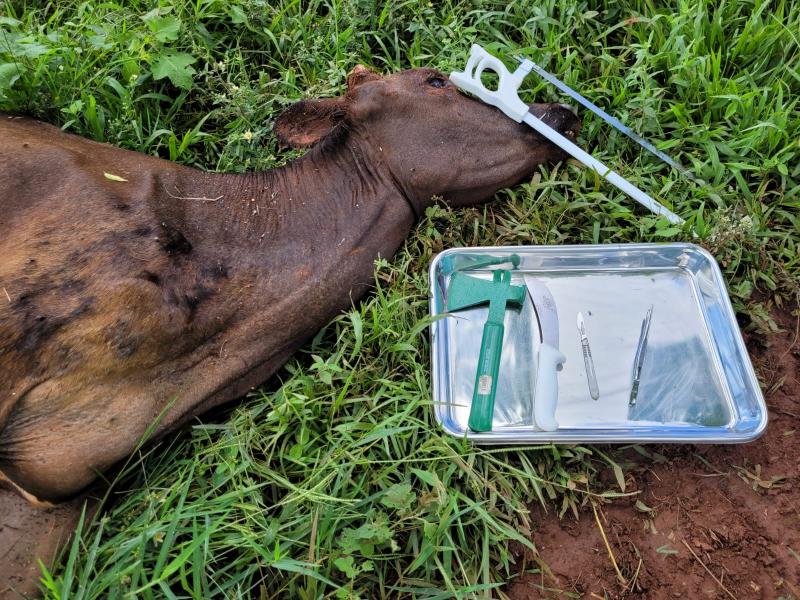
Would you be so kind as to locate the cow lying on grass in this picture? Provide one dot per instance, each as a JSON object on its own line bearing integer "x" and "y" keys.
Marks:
{"x": 138, "y": 293}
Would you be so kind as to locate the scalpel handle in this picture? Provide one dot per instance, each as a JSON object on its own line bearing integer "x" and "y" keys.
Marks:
{"x": 594, "y": 391}
{"x": 545, "y": 395}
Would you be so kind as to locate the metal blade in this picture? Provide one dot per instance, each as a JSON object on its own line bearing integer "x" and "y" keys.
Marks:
{"x": 546, "y": 311}
{"x": 581, "y": 326}
{"x": 614, "y": 122}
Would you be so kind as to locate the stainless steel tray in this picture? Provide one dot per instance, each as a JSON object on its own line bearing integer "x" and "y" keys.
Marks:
{"x": 697, "y": 383}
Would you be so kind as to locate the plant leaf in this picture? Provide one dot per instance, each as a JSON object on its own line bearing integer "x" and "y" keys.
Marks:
{"x": 399, "y": 496}
{"x": 165, "y": 28}
{"x": 346, "y": 566}
{"x": 176, "y": 67}
{"x": 9, "y": 73}
{"x": 619, "y": 476}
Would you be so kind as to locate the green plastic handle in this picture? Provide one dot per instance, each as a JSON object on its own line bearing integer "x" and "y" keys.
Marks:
{"x": 482, "y": 410}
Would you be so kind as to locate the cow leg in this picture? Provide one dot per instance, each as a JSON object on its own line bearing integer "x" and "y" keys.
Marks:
{"x": 29, "y": 533}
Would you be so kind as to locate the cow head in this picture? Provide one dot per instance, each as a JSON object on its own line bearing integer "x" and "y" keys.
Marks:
{"x": 434, "y": 140}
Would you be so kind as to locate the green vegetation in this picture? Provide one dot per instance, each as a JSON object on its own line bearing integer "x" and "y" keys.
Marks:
{"x": 333, "y": 481}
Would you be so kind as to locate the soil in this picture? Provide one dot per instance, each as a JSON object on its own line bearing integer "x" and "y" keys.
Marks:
{"x": 710, "y": 522}
{"x": 28, "y": 532}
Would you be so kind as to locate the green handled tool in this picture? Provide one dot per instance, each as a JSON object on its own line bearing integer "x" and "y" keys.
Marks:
{"x": 465, "y": 291}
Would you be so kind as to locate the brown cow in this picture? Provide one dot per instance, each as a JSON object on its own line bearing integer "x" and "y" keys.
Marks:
{"x": 135, "y": 291}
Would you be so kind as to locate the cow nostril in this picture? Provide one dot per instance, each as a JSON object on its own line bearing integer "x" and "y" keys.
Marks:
{"x": 570, "y": 108}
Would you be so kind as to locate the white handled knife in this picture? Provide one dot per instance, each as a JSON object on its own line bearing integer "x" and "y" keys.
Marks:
{"x": 549, "y": 360}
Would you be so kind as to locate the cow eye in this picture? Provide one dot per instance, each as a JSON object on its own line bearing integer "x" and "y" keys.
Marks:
{"x": 437, "y": 81}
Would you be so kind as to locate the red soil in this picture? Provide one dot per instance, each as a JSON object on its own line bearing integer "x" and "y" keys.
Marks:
{"x": 716, "y": 522}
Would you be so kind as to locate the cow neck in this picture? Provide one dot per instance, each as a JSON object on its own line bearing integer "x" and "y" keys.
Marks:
{"x": 332, "y": 197}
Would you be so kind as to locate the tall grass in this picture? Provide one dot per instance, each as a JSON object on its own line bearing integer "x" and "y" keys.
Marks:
{"x": 333, "y": 480}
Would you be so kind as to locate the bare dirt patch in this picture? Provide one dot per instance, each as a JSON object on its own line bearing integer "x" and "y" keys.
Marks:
{"x": 708, "y": 522}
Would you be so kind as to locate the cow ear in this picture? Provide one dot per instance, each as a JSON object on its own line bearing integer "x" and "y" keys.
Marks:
{"x": 359, "y": 75}
{"x": 305, "y": 123}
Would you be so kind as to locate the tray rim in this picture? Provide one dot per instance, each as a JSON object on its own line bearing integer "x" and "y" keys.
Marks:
{"x": 691, "y": 434}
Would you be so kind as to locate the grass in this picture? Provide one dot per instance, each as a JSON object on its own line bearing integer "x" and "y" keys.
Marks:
{"x": 333, "y": 481}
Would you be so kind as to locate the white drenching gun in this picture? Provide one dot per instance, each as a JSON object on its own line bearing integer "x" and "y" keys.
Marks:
{"x": 507, "y": 99}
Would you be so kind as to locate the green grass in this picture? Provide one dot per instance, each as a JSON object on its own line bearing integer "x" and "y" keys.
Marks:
{"x": 333, "y": 479}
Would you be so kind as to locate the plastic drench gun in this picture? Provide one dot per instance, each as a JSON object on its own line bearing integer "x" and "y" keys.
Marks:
{"x": 507, "y": 99}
